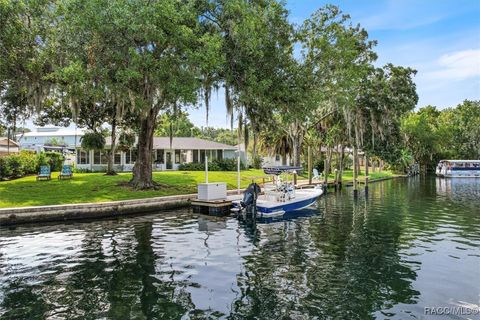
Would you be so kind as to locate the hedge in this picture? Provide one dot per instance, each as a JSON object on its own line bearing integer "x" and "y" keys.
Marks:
{"x": 215, "y": 165}
{"x": 26, "y": 162}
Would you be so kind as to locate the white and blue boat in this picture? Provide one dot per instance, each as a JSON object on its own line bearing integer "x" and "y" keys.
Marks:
{"x": 458, "y": 168}
{"x": 281, "y": 196}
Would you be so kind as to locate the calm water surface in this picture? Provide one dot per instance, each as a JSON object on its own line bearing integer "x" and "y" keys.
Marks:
{"x": 412, "y": 243}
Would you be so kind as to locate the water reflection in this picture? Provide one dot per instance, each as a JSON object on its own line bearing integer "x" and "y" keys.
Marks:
{"x": 459, "y": 189}
{"x": 387, "y": 255}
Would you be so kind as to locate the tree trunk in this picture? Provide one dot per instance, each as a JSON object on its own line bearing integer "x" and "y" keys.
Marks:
{"x": 111, "y": 154}
{"x": 340, "y": 166}
{"x": 142, "y": 171}
{"x": 296, "y": 134}
{"x": 296, "y": 153}
{"x": 355, "y": 169}
{"x": 255, "y": 142}
{"x": 284, "y": 159}
{"x": 14, "y": 122}
{"x": 328, "y": 161}
{"x": 337, "y": 167}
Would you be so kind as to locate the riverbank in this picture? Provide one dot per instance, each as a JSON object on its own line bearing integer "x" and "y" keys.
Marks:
{"x": 98, "y": 188}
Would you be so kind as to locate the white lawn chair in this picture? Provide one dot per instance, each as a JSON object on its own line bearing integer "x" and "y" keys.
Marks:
{"x": 316, "y": 176}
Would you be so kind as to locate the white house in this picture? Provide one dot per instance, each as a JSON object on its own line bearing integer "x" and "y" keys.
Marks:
{"x": 165, "y": 156}
{"x": 45, "y": 137}
{"x": 267, "y": 159}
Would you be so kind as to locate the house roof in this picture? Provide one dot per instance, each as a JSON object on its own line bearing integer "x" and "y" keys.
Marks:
{"x": 4, "y": 141}
{"x": 189, "y": 143}
{"x": 59, "y": 133}
{"x": 185, "y": 143}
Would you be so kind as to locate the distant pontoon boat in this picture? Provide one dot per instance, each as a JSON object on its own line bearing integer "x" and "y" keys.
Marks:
{"x": 458, "y": 168}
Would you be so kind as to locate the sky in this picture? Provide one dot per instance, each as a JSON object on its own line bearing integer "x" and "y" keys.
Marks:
{"x": 438, "y": 38}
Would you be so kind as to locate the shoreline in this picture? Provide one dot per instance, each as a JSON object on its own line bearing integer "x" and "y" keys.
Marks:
{"x": 101, "y": 210}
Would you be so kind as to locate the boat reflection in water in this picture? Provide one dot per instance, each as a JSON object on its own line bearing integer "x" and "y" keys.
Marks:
{"x": 302, "y": 213}
{"x": 458, "y": 189}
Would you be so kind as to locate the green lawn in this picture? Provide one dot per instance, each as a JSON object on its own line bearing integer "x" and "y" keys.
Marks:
{"x": 96, "y": 187}
{"x": 348, "y": 175}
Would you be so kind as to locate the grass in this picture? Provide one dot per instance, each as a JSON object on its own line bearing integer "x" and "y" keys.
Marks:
{"x": 348, "y": 176}
{"x": 96, "y": 187}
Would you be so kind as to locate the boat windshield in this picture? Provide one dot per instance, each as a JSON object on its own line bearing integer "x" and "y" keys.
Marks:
{"x": 277, "y": 170}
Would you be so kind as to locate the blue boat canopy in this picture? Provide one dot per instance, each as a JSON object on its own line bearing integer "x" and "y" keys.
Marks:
{"x": 276, "y": 170}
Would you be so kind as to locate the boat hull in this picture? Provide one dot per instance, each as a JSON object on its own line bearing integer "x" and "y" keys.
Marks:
{"x": 458, "y": 169}
{"x": 458, "y": 173}
{"x": 289, "y": 206}
{"x": 304, "y": 199}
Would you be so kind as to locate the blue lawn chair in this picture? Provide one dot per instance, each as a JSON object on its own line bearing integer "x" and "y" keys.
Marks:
{"x": 44, "y": 173}
{"x": 66, "y": 172}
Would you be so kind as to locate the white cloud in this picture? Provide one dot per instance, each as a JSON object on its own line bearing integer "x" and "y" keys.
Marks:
{"x": 458, "y": 65}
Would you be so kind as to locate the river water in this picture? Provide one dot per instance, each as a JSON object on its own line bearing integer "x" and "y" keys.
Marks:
{"x": 410, "y": 246}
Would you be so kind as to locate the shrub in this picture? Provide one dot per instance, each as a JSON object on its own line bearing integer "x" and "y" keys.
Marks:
{"x": 347, "y": 163}
{"x": 215, "y": 165}
{"x": 191, "y": 167}
{"x": 15, "y": 163}
{"x": 55, "y": 160}
{"x": 5, "y": 169}
{"x": 81, "y": 170}
{"x": 228, "y": 164}
{"x": 29, "y": 161}
{"x": 319, "y": 165}
{"x": 18, "y": 165}
{"x": 257, "y": 162}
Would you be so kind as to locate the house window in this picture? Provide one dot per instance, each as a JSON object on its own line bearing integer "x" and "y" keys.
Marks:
{"x": 177, "y": 156}
{"x": 160, "y": 154}
{"x": 212, "y": 155}
{"x": 100, "y": 157}
{"x": 220, "y": 154}
{"x": 183, "y": 156}
{"x": 277, "y": 157}
{"x": 202, "y": 156}
{"x": 82, "y": 157}
{"x": 117, "y": 159}
{"x": 130, "y": 156}
{"x": 195, "y": 156}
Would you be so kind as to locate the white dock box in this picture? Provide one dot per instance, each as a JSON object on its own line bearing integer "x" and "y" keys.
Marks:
{"x": 212, "y": 191}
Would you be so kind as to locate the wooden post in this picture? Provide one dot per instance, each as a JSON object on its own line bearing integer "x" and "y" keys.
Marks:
{"x": 8, "y": 140}
{"x": 355, "y": 172}
{"x": 309, "y": 151}
{"x": 238, "y": 170}
{"x": 366, "y": 173}
{"x": 206, "y": 169}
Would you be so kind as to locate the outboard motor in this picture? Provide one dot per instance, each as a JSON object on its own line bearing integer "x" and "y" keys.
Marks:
{"x": 250, "y": 195}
